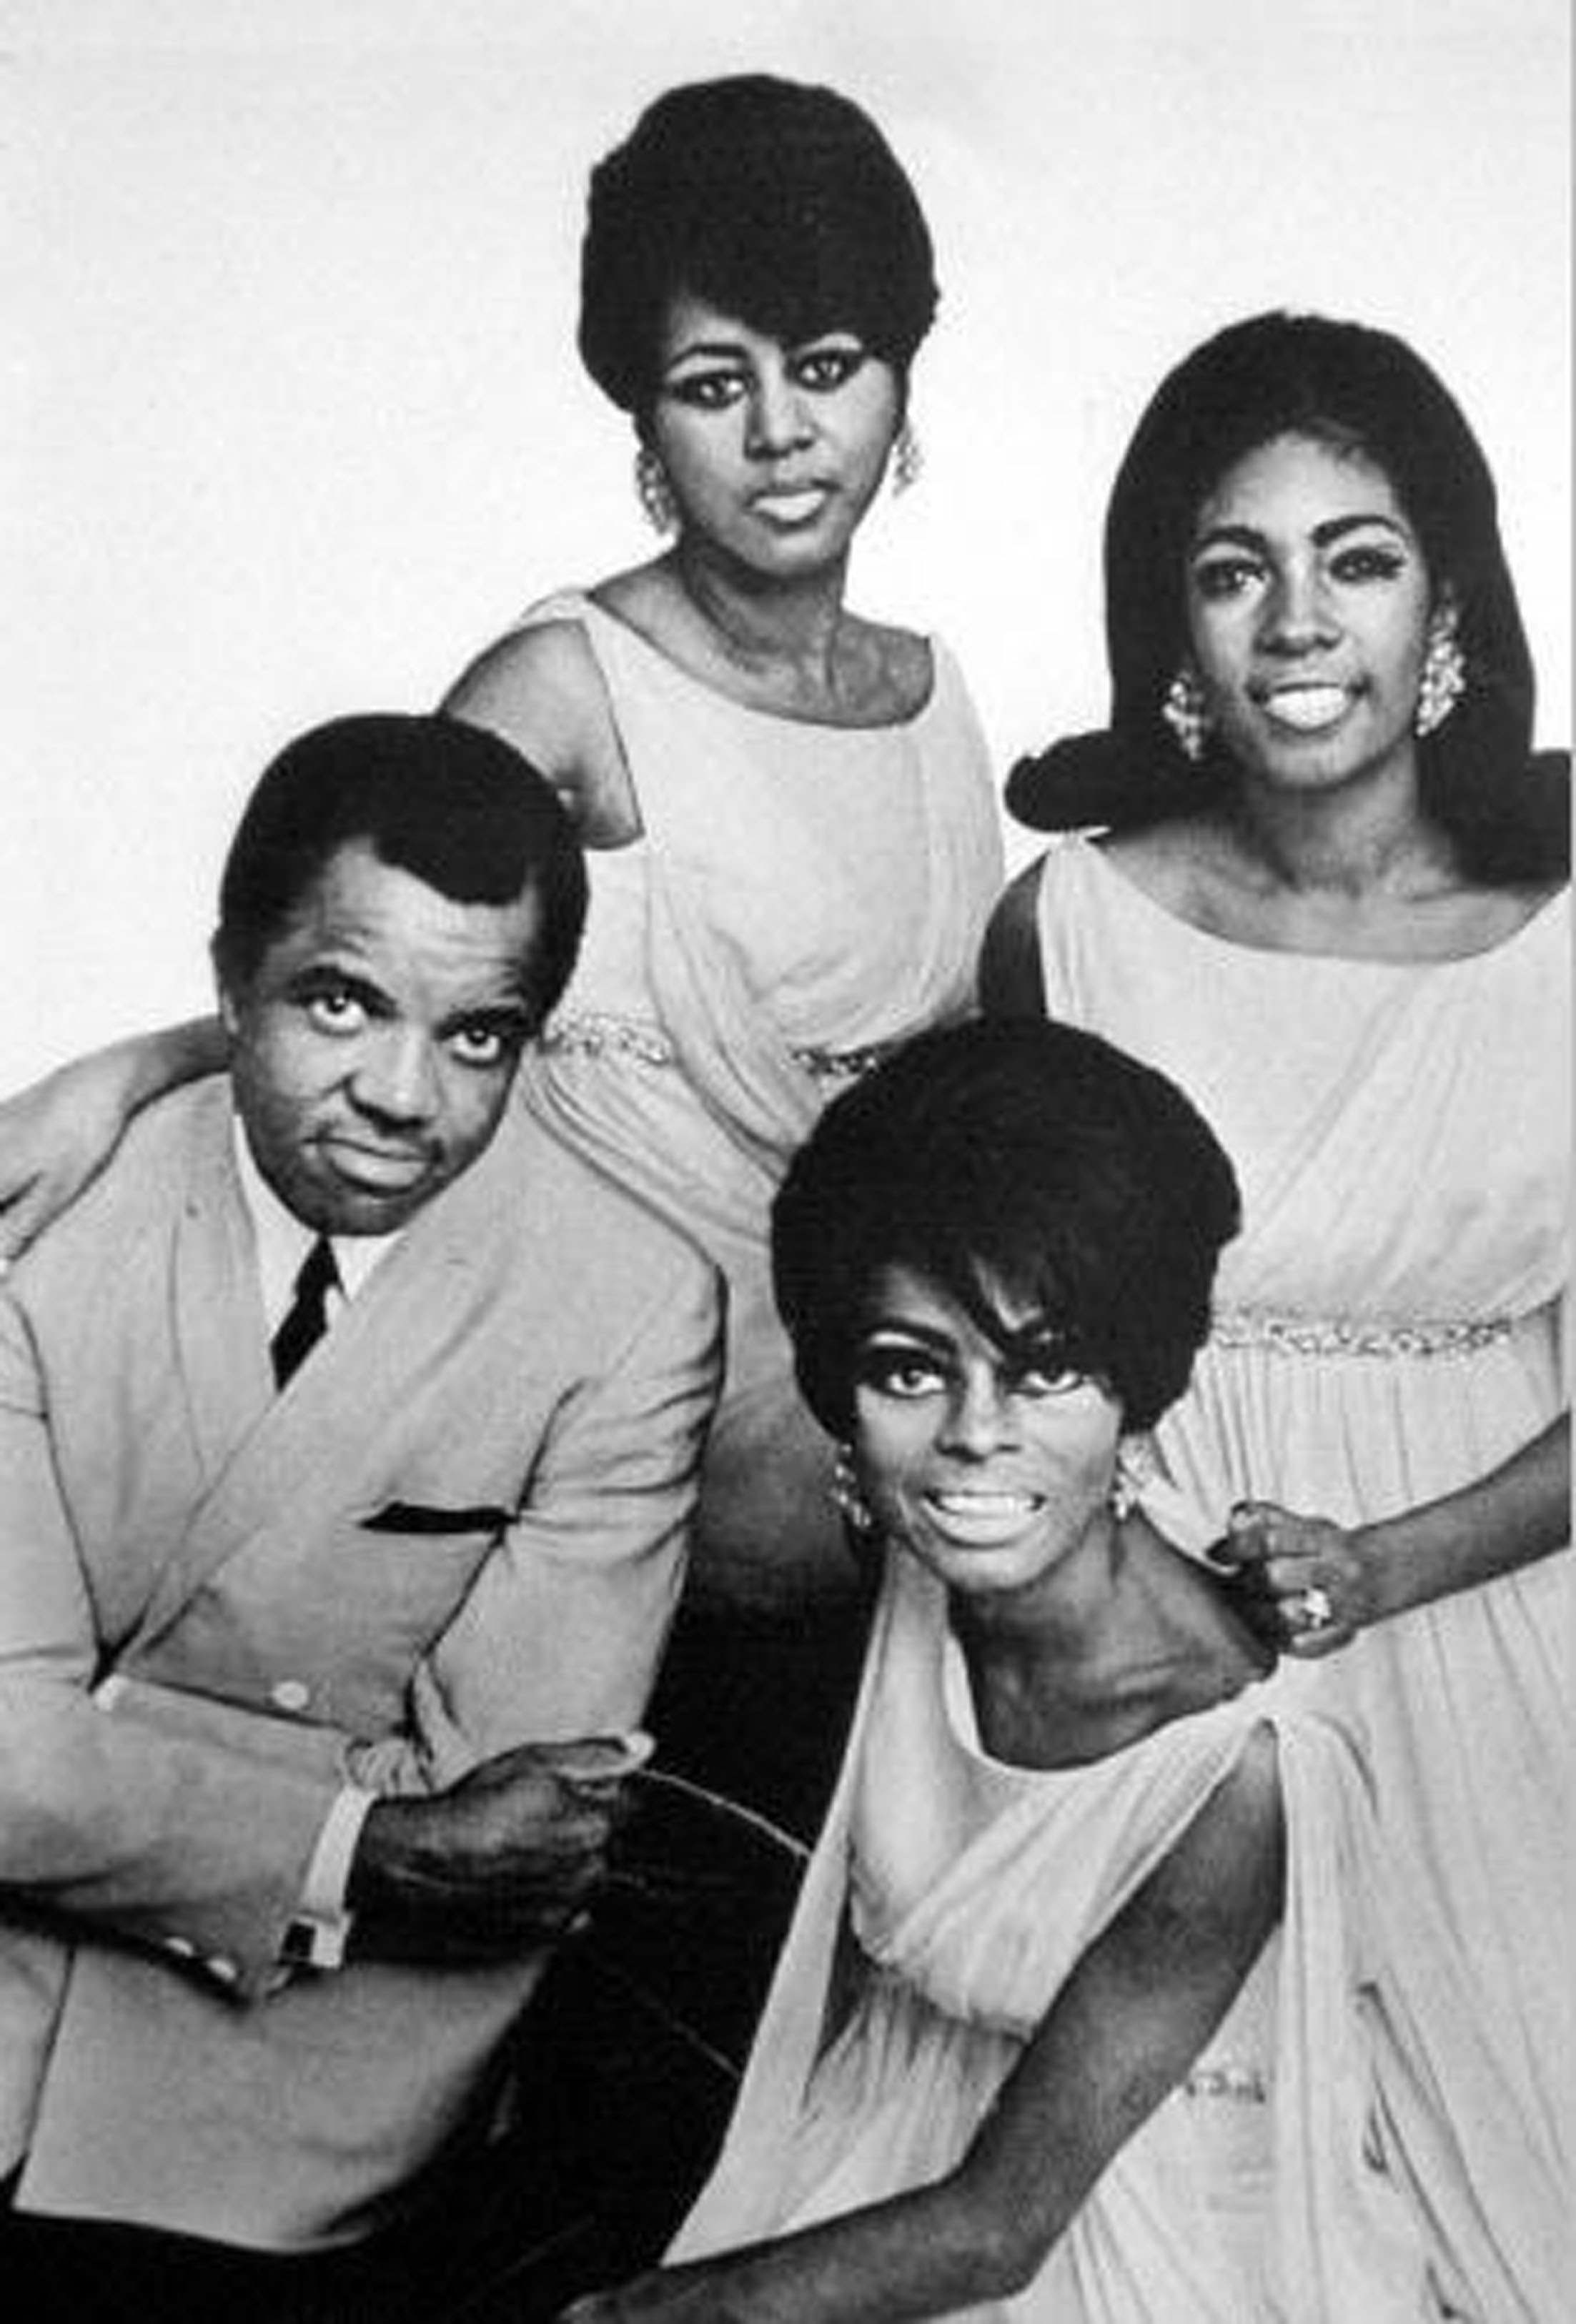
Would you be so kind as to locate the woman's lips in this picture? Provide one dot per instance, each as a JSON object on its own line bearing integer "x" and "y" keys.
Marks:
{"x": 982, "y": 1517}
{"x": 787, "y": 507}
{"x": 1306, "y": 709}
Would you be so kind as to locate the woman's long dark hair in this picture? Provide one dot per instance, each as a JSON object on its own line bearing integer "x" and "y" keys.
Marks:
{"x": 1364, "y": 391}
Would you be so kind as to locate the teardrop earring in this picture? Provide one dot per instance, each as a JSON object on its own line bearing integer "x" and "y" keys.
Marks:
{"x": 654, "y": 492}
{"x": 848, "y": 1492}
{"x": 1184, "y": 712}
{"x": 908, "y": 458}
{"x": 1443, "y": 680}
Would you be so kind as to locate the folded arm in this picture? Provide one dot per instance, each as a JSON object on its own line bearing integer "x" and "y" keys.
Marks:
{"x": 1121, "y": 2033}
{"x": 189, "y": 1822}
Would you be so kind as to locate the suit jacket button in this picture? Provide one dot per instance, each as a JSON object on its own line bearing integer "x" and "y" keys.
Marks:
{"x": 290, "y": 1695}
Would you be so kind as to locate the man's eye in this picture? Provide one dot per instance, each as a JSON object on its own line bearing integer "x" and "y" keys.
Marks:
{"x": 336, "y": 1010}
{"x": 828, "y": 367}
{"x": 480, "y": 1045}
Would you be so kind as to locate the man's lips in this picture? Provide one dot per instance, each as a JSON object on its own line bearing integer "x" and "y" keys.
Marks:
{"x": 380, "y": 1169}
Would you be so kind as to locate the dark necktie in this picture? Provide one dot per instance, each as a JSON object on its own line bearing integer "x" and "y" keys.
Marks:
{"x": 306, "y": 1319}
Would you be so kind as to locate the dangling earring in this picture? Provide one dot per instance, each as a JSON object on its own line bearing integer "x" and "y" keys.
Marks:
{"x": 654, "y": 492}
{"x": 1185, "y": 713}
{"x": 848, "y": 1493}
{"x": 1135, "y": 1462}
{"x": 908, "y": 458}
{"x": 1444, "y": 674}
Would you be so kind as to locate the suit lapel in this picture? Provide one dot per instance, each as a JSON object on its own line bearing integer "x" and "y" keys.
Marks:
{"x": 291, "y": 1457}
{"x": 220, "y": 1335}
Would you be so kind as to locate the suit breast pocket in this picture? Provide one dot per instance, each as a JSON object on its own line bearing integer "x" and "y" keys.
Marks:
{"x": 435, "y": 1521}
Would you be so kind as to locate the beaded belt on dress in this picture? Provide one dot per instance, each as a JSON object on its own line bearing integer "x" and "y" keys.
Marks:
{"x": 1244, "y": 2083}
{"x": 1297, "y": 1335}
{"x": 597, "y": 1035}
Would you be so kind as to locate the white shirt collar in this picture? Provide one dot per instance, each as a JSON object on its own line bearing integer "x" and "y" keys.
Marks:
{"x": 282, "y": 1241}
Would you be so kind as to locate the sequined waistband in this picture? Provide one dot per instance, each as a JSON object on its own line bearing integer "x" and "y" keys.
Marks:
{"x": 1246, "y": 2084}
{"x": 596, "y": 1034}
{"x": 1297, "y": 1335}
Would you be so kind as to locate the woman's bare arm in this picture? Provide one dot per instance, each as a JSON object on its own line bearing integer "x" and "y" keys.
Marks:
{"x": 1517, "y": 1514}
{"x": 58, "y": 1134}
{"x": 1011, "y": 980}
{"x": 1122, "y": 2033}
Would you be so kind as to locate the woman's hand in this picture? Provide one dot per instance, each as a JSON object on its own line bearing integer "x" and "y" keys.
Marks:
{"x": 57, "y": 1135}
{"x": 1304, "y": 1582}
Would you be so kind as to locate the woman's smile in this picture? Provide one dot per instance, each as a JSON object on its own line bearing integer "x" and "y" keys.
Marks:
{"x": 989, "y": 1457}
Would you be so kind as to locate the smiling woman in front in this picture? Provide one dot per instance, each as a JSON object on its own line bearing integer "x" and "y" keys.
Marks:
{"x": 1071, "y": 2025}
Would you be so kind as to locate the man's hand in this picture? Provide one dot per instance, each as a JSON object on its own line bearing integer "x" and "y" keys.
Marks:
{"x": 501, "y": 1863}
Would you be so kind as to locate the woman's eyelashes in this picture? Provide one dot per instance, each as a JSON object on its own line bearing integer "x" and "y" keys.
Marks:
{"x": 904, "y": 1370}
{"x": 1218, "y": 579}
{"x": 821, "y": 370}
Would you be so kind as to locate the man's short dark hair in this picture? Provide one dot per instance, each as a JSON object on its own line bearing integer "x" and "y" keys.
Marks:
{"x": 1009, "y": 1159}
{"x": 452, "y": 805}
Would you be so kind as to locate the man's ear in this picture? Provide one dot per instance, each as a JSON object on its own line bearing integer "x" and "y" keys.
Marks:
{"x": 225, "y": 1005}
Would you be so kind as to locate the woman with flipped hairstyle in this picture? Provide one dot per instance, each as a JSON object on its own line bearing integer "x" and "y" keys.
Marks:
{"x": 793, "y": 843}
{"x": 1070, "y": 2027}
{"x": 1333, "y": 905}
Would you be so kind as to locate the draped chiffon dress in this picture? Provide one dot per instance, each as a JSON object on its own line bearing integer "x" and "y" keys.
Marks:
{"x": 1390, "y": 1327}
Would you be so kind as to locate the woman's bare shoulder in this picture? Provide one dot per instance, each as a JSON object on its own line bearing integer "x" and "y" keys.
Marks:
{"x": 1011, "y": 977}
{"x": 541, "y": 689}
{"x": 896, "y": 668}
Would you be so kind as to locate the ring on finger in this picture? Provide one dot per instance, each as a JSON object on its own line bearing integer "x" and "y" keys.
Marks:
{"x": 1314, "y": 1609}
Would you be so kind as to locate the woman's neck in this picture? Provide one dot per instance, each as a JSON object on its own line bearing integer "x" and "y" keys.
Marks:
{"x": 769, "y": 630}
{"x": 1113, "y": 1642}
{"x": 1350, "y": 845}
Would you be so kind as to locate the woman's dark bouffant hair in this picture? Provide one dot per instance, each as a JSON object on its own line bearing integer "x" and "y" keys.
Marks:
{"x": 1018, "y": 1159}
{"x": 1365, "y": 391}
{"x": 777, "y": 202}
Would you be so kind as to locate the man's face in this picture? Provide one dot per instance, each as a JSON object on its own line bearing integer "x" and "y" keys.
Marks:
{"x": 374, "y": 1049}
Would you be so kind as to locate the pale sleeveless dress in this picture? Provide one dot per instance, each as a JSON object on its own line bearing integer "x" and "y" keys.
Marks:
{"x": 1255, "y": 2191}
{"x": 1388, "y": 1329}
{"x": 803, "y": 897}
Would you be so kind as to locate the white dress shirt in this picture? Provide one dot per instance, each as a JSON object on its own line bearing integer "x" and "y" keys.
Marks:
{"x": 317, "y": 1934}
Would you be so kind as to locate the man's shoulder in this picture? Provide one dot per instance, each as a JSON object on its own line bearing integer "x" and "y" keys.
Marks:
{"x": 145, "y": 1185}
{"x": 548, "y": 1208}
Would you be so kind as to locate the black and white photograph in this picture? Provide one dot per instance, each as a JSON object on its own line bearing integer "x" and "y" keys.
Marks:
{"x": 785, "y": 1163}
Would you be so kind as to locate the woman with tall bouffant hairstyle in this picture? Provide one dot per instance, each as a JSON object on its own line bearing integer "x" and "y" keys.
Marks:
{"x": 1331, "y": 899}
{"x": 1077, "y": 2021}
{"x": 793, "y": 843}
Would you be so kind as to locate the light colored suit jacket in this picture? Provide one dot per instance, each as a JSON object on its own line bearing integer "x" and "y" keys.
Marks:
{"x": 459, "y": 1527}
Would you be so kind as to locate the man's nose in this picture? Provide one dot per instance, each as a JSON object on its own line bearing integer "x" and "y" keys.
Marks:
{"x": 398, "y": 1078}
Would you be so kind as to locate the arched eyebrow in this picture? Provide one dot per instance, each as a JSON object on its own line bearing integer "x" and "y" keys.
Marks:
{"x": 706, "y": 351}
{"x": 1325, "y": 535}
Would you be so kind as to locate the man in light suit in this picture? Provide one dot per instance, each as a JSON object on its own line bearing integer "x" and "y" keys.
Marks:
{"x": 349, "y": 1432}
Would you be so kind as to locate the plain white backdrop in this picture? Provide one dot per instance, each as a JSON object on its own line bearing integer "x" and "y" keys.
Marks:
{"x": 291, "y": 421}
